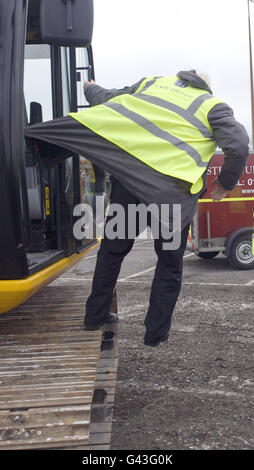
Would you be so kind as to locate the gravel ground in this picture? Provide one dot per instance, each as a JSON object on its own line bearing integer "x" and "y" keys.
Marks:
{"x": 196, "y": 391}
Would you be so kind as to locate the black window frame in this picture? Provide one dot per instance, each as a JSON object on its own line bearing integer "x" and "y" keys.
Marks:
{"x": 15, "y": 232}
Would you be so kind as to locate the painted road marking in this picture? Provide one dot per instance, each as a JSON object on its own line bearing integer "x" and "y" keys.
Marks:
{"x": 187, "y": 256}
{"x": 64, "y": 279}
{"x": 215, "y": 283}
{"x": 143, "y": 248}
{"x": 146, "y": 271}
{"x": 89, "y": 257}
{"x": 129, "y": 280}
{"x": 137, "y": 274}
{"x": 141, "y": 243}
{"x": 219, "y": 284}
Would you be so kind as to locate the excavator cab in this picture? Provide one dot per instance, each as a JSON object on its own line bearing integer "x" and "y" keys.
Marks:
{"x": 45, "y": 56}
{"x": 53, "y": 76}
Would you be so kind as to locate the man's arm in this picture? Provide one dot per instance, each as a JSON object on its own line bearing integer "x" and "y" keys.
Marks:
{"x": 96, "y": 94}
{"x": 233, "y": 139}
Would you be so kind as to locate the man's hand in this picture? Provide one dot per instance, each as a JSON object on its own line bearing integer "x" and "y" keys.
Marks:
{"x": 219, "y": 192}
{"x": 87, "y": 83}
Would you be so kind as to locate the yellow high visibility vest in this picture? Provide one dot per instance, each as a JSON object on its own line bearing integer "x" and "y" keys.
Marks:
{"x": 164, "y": 124}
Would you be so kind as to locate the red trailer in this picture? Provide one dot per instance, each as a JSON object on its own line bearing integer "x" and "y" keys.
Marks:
{"x": 226, "y": 226}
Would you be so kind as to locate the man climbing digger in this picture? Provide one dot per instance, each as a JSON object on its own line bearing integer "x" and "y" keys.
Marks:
{"x": 172, "y": 124}
{"x": 156, "y": 139}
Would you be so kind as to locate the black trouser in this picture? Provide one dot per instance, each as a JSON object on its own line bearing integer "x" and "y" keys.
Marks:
{"x": 166, "y": 283}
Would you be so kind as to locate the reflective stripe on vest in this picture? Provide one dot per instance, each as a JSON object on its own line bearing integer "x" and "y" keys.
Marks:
{"x": 188, "y": 114}
{"x": 156, "y": 131}
{"x": 162, "y": 124}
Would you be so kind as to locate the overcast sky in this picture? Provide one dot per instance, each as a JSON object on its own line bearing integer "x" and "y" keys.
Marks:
{"x": 137, "y": 38}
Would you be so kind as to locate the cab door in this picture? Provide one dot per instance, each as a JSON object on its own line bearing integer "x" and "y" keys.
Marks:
{"x": 14, "y": 213}
{"x": 53, "y": 87}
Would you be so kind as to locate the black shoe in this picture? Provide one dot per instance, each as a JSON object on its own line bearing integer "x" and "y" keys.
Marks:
{"x": 155, "y": 343}
{"x": 109, "y": 318}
